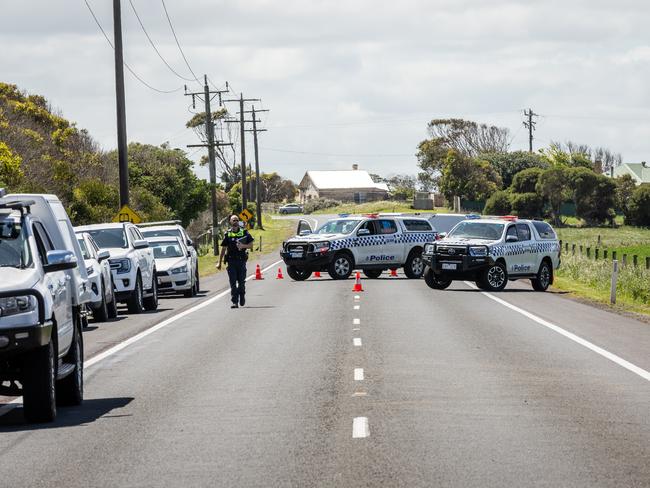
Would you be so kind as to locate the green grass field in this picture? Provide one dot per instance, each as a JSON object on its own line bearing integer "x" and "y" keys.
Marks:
{"x": 624, "y": 239}
{"x": 383, "y": 206}
{"x": 275, "y": 231}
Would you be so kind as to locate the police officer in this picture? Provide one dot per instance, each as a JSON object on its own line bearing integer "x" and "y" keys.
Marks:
{"x": 235, "y": 243}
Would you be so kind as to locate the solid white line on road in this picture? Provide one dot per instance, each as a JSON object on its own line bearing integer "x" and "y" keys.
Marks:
{"x": 360, "y": 427}
{"x": 358, "y": 374}
{"x": 357, "y": 307}
{"x": 356, "y": 321}
{"x": 569, "y": 335}
{"x": 357, "y": 341}
{"x": 109, "y": 352}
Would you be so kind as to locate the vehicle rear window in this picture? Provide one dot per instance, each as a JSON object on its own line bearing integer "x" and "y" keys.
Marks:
{"x": 544, "y": 230}
{"x": 417, "y": 225}
{"x": 162, "y": 233}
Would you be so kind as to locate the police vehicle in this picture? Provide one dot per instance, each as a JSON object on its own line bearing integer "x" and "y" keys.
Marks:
{"x": 372, "y": 243}
{"x": 493, "y": 251}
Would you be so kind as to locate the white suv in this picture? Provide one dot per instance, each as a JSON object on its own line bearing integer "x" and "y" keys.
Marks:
{"x": 102, "y": 302}
{"x": 132, "y": 264}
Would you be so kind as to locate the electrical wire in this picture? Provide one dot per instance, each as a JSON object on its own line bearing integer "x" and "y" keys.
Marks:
{"x": 110, "y": 43}
{"x": 171, "y": 26}
{"x": 153, "y": 45}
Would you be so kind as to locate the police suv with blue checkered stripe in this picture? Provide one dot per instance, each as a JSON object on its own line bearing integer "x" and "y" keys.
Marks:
{"x": 493, "y": 251}
{"x": 372, "y": 243}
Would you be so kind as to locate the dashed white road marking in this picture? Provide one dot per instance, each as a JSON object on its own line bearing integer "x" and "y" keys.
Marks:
{"x": 360, "y": 428}
{"x": 358, "y": 374}
{"x": 357, "y": 341}
{"x": 357, "y": 307}
{"x": 356, "y": 329}
{"x": 356, "y": 321}
{"x": 569, "y": 335}
{"x": 357, "y": 297}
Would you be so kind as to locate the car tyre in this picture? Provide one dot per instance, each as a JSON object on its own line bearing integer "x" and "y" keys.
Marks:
{"x": 112, "y": 306}
{"x": 135, "y": 302}
{"x": 414, "y": 266}
{"x": 544, "y": 277}
{"x": 495, "y": 277}
{"x": 372, "y": 273}
{"x": 70, "y": 390}
{"x": 341, "y": 267}
{"x": 434, "y": 281}
{"x": 151, "y": 302}
{"x": 101, "y": 314}
{"x": 198, "y": 282}
{"x": 298, "y": 274}
{"x": 39, "y": 384}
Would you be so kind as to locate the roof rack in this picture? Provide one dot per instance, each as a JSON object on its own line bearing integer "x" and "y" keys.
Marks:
{"x": 165, "y": 222}
{"x": 22, "y": 205}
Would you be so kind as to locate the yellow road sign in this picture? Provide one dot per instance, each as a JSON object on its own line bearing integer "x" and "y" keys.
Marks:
{"x": 245, "y": 215}
{"x": 126, "y": 214}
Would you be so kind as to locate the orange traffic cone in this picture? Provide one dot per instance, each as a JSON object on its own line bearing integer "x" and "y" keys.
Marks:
{"x": 258, "y": 273}
{"x": 279, "y": 276}
{"x": 393, "y": 272}
{"x": 357, "y": 285}
{"x": 317, "y": 274}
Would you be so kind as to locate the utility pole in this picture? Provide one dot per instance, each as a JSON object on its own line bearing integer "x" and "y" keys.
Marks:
{"x": 121, "y": 105}
{"x": 258, "y": 192}
{"x": 211, "y": 144}
{"x": 242, "y": 131}
{"x": 530, "y": 125}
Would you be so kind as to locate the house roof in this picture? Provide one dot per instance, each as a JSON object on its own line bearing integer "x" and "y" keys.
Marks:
{"x": 341, "y": 180}
{"x": 637, "y": 171}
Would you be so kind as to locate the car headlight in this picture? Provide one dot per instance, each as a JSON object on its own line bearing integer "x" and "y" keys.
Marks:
{"x": 480, "y": 251}
{"x": 179, "y": 270}
{"x": 17, "y": 304}
{"x": 121, "y": 265}
{"x": 90, "y": 270}
{"x": 429, "y": 249}
{"x": 323, "y": 246}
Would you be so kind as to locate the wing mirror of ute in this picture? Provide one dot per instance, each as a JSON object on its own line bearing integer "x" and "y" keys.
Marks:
{"x": 511, "y": 239}
{"x": 304, "y": 232}
{"x": 140, "y": 244}
{"x": 59, "y": 261}
{"x": 441, "y": 235}
{"x": 363, "y": 232}
{"x": 103, "y": 255}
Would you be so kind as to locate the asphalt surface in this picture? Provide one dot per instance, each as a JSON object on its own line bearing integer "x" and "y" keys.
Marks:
{"x": 456, "y": 389}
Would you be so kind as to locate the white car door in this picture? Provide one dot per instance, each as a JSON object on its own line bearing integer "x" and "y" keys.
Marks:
{"x": 529, "y": 255}
{"x": 389, "y": 248}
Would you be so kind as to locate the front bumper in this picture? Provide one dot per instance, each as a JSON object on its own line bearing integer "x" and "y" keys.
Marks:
{"x": 24, "y": 338}
{"x": 311, "y": 261}
{"x": 124, "y": 282}
{"x": 173, "y": 282}
{"x": 457, "y": 267}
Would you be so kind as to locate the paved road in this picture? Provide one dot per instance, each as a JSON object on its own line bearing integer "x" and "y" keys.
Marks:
{"x": 308, "y": 386}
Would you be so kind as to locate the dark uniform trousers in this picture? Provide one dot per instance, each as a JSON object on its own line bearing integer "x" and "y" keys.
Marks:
{"x": 237, "y": 277}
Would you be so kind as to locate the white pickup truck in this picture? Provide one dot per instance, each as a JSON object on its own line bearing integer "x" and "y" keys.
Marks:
{"x": 43, "y": 298}
{"x": 372, "y": 243}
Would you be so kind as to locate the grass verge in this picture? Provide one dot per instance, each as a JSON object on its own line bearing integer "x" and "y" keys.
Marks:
{"x": 275, "y": 231}
{"x": 373, "y": 207}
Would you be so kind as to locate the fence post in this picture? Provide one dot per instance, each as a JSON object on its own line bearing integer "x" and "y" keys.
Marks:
{"x": 588, "y": 252}
{"x": 566, "y": 247}
{"x": 624, "y": 263}
{"x": 573, "y": 249}
{"x": 598, "y": 240}
{"x": 612, "y": 293}
{"x": 613, "y": 255}
{"x": 647, "y": 262}
{"x": 635, "y": 260}
{"x": 596, "y": 253}
{"x": 605, "y": 254}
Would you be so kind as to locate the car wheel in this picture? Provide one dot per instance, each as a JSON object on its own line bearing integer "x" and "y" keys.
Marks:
{"x": 372, "y": 273}
{"x": 341, "y": 267}
{"x": 112, "y": 306}
{"x": 544, "y": 277}
{"x": 480, "y": 284}
{"x": 495, "y": 277}
{"x": 70, "y": 390}
{"x": 198, "y": 283}
{"x": 101, "y": 314}
{"x": 135, "y": 302}
{"x": 298, "y": 274}
{"x": 39, "y": 384}
{"x": 434, "y": 281}
{"x": 151, "y": 302}
{"x": 414, "y": 266}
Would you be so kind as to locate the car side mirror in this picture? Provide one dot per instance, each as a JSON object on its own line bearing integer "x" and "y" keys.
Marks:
{"x": 442, "y": 235}
{"x": 59, "y": 261}
{"x": 511, "y": 239}
{"x": 103, "y": 255}
{"x": 140, "y": 244}
{"x": 363, "y": 232}
{"x": 305, "y": 232}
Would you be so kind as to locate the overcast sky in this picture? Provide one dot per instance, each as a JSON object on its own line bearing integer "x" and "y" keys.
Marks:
{"x": 351, "y": 81}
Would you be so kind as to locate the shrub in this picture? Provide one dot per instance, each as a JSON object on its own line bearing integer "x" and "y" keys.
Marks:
{"x": 528, "y": 205}
{"x": 498, "y": 204}
{"x": 594, "y": 195}
{"x": 525, "y": 181}
{"x": 320, "y": 204}
{"x": 639, "y": 209}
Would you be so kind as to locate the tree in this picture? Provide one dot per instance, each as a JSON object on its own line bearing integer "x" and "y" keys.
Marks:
{"x": 11, "y": 174}
{"x": 509, "y": 164}
{"x": 625, "y": 187}
{"x": 553, "y": 184}
{"x": 526, "y": 181}
{"x": 402, "y": 187}
{"x": 606, "y": 158}
{"x": 594, "y": 196}
{"x": 528, "y": 205}
{"x": 639, "y": 210}
{"x": 467, "y": 177}
{"x": 92, "y": 202}
{"x": 499, "y": 203}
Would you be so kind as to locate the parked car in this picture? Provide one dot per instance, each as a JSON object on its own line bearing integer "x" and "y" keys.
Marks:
{"x": 290, "y": 208}
{"x": 43, "y": 297}
{"x": 175, "y": 229}
{"x": 103, "y": 302}
{"x": 132, "y": 264}
{"x": 174, "y": 265}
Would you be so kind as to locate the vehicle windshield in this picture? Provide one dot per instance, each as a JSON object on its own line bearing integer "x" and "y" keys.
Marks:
{"x": 84, "y": 249}
{"x": 161, "y": 233}
{"x": 166, "y": 249}
{"x": 477, "y": 230}
{"x": 14, "y": 244}
{"x": 341, "y": 226}
{"x": 107, "y": 238}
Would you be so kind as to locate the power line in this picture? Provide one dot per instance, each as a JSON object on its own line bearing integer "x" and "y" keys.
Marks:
{"x": 110, "y": 43}
{"x": 171, "y": 26}
{"x": 153, "y": 45}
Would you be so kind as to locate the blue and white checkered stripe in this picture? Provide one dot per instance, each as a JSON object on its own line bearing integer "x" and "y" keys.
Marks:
{"x": 382, "y": 240}
{"x": 518, "y": 249}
